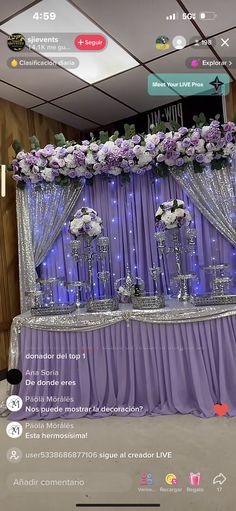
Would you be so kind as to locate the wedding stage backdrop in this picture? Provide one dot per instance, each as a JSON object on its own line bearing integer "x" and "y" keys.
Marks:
{"x": 128, "y": 213}
{"x": 177, "y": 360}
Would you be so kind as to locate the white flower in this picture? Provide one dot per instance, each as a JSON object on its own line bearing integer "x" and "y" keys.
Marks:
{"x": 137, "y": 150}
{"x": 95, "y": 229}
{"x": 87, "y": 219}
{"x": 179, "y": 212}
{"x": 228, "y": 149}
{"x": 75, "y": 225}
{"x": 190, "y": 151}
{"x": 170, "y": 163}
{"x": 70, "y": 161}
{"x": 89, "y": 159}
{"x": 70, "y": 149}
{"x": 179, "y": 147}
{"x": 200, "y": 147}
{"x": 208, "y": 157}
{"x": 47, "y": 175}
{"x": 180, "y": 202}
{"x": 205, "y": 130}
{"x": 168, "y": 218}
{"x": 21, "y": 155}
{"x": 25, "y": 167}
{"x": 144, "y": 159}
{"x": 115, "y": 171}
{"x": 93, "y": 146}
{"x": 109, "y": 144}
{"x": 159, "y": 211}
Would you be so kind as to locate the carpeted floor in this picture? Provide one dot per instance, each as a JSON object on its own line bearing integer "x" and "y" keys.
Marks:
{"x": 197, "y": 445}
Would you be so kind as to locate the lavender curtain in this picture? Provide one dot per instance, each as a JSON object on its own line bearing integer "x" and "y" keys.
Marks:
{"x": 128, "y": 212}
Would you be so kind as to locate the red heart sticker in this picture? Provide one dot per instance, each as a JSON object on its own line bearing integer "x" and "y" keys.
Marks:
{"x": 221, "y": 409}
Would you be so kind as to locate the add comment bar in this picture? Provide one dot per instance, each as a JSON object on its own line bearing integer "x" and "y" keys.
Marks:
{"x": 188, "y": 84}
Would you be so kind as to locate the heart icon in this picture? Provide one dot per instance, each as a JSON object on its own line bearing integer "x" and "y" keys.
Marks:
{"x": 221, "y": 409}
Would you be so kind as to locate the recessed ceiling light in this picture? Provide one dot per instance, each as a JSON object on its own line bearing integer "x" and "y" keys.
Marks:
{"x": 53, "y": 17}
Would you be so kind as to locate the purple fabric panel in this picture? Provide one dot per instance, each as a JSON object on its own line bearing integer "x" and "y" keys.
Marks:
{"x": 162, "y": 369}
{"x": 128, "y": 212}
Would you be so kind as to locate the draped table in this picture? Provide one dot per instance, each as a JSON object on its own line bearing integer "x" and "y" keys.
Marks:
{"x": 180, "y": 359}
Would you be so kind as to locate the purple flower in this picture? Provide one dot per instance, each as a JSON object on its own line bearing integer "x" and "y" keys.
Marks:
{"x": 72, "y": 174}
{"x": 85, "y": 142}
{"x": 150, "y": 146}
{"x": 48, "y": 150}
{"x": 55, "y": 172}
{"x": 62, "y": 152}
{"x": 118, "y": 141}
{"x": 136, "y": 139}
{"x": 161, "y": 135}
{"x": 17, "y": 177}
{"x": 15, "y": 165}
{"x": 228, "y": 137}
{"x": 54, "y": 164}
{"x": 179, "y": 162}
{"x": 160, "y": 158}
{"x": 215, "y": 124}
{"x": 199, "y": 158}
{"x": 229, "y": 126}
{"x": 186, "y": 142}
{"x": 183, "y": 131}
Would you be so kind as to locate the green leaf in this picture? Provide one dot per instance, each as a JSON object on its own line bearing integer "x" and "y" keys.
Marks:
{"x": 132, "y": 130}
{"x": 198, "y": 168}
{"x": 16, "y": 146}
{"x": 34, "y": 142}
{"x": 59, "y": 140}
{"x": 115, "y": 136}
{"x": 103, "y": 136}
{"x": 127, "y": 131}
{"x": 21, "y": 185}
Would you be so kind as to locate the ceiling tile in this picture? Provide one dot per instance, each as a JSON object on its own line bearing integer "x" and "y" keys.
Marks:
{"x": 137, "y": 23}
{"x": 131, "y": 88}
{"x": 224, "y": 11}
{"x": 12, "y": 7}
{"x": 45, "y": 83}
{"x": 93, "y": 65}
{"x": 17, "y": 96}
{"x": 95, "y": 105}
{"x": 65, "y": 117}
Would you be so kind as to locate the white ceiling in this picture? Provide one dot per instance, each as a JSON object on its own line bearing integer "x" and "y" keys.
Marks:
{"x": 119, "y": 80}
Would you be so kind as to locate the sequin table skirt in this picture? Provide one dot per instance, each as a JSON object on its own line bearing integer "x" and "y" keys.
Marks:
{"x": 125, "y": 362}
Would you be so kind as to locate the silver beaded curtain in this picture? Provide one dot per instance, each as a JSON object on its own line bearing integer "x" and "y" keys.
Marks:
{"x": 213, "y": 192}
{"x": 40, "y": 217}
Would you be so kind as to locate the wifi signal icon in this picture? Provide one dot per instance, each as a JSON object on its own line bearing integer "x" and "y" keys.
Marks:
{"x": 172, "y": 17}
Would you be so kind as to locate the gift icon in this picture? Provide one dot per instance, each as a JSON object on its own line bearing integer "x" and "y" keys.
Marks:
{"x": 195, "y": 479}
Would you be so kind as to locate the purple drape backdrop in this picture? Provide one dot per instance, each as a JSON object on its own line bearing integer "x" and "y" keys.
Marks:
{"x": 127, "y": 210}
{"x": 161, "y": 369}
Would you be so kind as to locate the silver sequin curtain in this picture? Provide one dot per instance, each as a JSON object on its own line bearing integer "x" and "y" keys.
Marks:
{"x": 214, "y": 193}
{"x": 40, "y": 217}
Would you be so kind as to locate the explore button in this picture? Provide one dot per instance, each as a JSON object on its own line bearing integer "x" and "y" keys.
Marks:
{"x": 90, "y": 42}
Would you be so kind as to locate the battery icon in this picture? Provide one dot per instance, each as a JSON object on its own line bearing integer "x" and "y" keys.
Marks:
{"x": 208, "y": 16}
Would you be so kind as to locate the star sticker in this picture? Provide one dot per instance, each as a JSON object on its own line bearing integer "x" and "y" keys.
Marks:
{"x": 217, "y": 83}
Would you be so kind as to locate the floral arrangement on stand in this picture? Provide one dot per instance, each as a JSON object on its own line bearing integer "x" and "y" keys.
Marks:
{"x": 132, "y": 154}
{"x": 172, "y": 214}
{"x": 86, "y": 221}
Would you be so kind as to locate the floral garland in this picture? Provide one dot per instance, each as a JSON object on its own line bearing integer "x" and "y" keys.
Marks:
{"x": 118, "y": 156}
{"x": 171, "y": 214}
{"x": 86, "y": 221}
